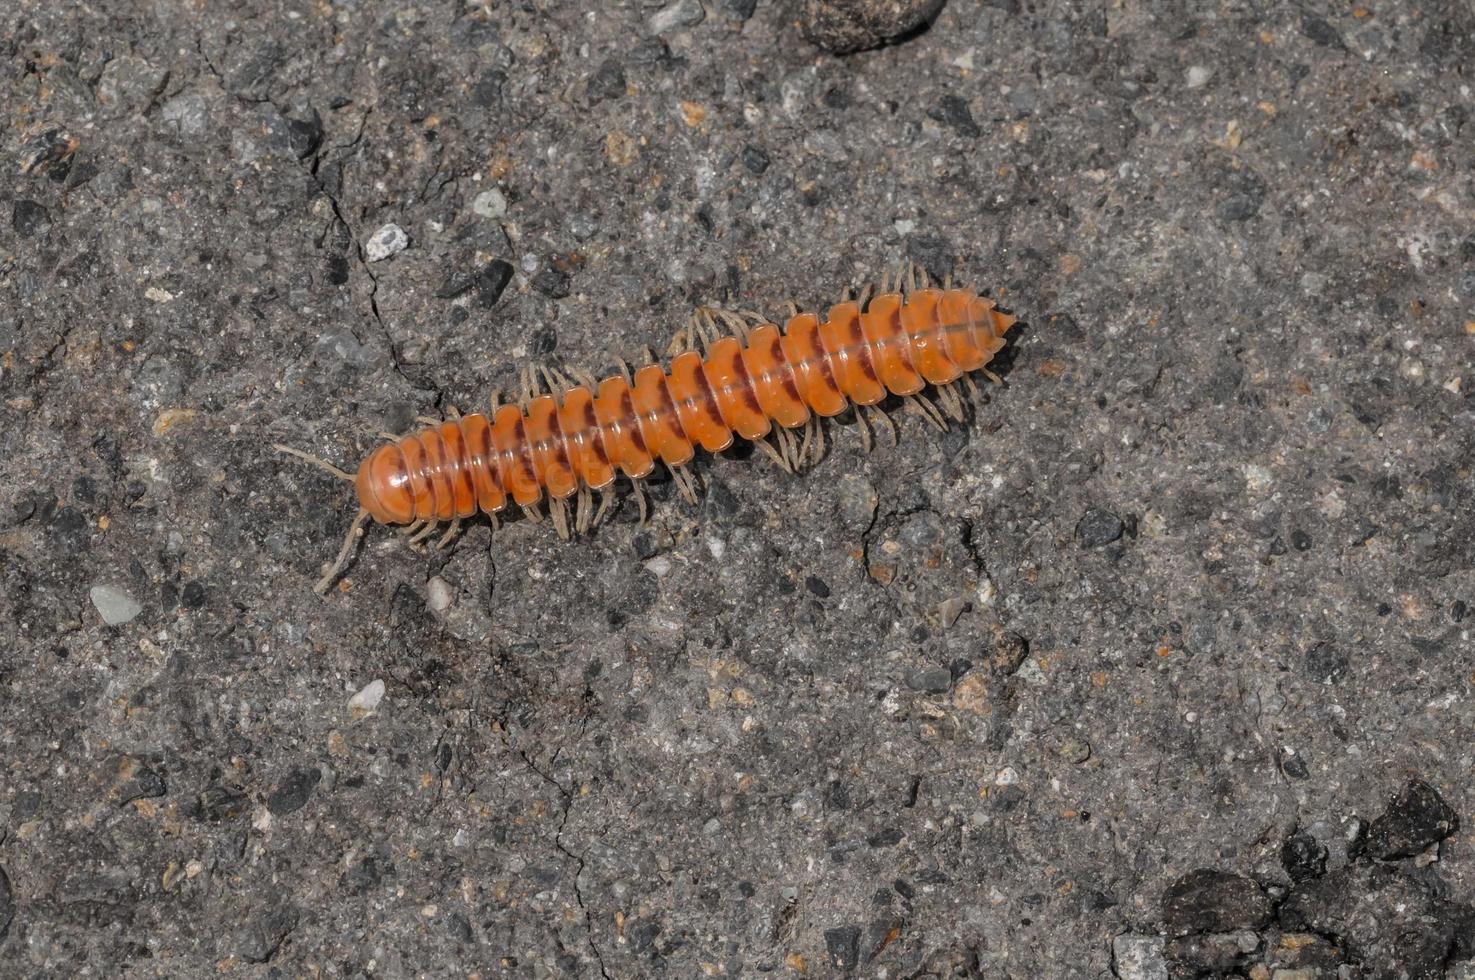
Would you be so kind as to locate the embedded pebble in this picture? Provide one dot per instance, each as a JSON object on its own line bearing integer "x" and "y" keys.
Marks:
{"x": 438, "y": 594}
{"x": 1139, "y": 957}
{"x": 366, "y": 701}
{"x": 490, "y": 204}
{"x": 388, "y": 240}
{"x": 683, "y": 13}
{"x": 1198, "y": 76}
{"x": 115, "y": 606}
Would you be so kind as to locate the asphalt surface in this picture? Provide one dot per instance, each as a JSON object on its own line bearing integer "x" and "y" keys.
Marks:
{"x": 1159, "y": 666}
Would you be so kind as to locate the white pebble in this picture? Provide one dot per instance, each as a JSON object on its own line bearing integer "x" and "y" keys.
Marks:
{"x": 367, "y": 700}
{"x": 1006, "y": 776}
{"x": 717, "y": 547}
{"x": 1139, "y": 957}
{"x": 115, "y": 606}
{"x": 439, "y": 594}
{"x": 1198, "y": 76}
{"x": 660, "y": 567}
{"x": 490, "y": 204}
{"x": 388, "y": 240}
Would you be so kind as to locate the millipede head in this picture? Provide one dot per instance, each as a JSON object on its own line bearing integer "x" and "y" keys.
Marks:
{"x": 383, "y": 485}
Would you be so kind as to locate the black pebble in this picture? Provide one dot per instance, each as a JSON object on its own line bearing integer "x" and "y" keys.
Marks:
{"x": 817, "y": 586}
{"x": 886, "y": 838}
{"x": 1214, "y": 901}
{"x": 608, "y": 82}
{"x": 292, "y": 792}
{"x": 492, "y": 281}
{"x": 1416, "y": 818}
{"x": 755, "y": 159}
{"x": 28, "y": 218}
{"x": 1099, "y": 527}
{"x": 1320, "y": 32}
{"x": 1300, "y": 540}
{"x": 843, "y": 947}
{"x": 952, "y": 110}
{"x": 1303, "y": 857}
{"x": 552, "y": 283}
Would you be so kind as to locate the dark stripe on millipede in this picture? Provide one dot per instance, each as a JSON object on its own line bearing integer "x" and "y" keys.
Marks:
{"x": 560, "y": 442}
{"x": 817, "y": 349}
{"x": 677, "y": 429}
{"x": 905, "y": 339}
{"x": 525, "y": 453}
{"x": 750, "y": 395}
{"x": 627, "y": 405}
{"x": 790, "y": 386}
{"x": 489, "y": 457}
{"x": 461, "y": 468}
{"x": 858, "y": 339}
{"x": 709, "y": 398}
{"x": 592, "y": 421}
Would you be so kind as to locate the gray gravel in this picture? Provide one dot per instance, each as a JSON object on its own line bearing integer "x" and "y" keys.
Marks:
{"x": 1160, "y": 666}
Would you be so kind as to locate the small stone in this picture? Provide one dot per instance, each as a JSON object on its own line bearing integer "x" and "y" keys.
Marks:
{"x": 1214, "y": 901}
{"x": 952, "y": 111}
{"x": 1415, "y": 819}
{"x": 683, "y": 13}
{"x": 115, "y": 606}
{"x": 1325, "y": 663}
{"x": 366, "y": 701}
{"x": 438, "y": 594}
{"x": 1138, "y": 957}
{"x": 1303, "y": 857}
{"x": 930, "y": 680}
{"x": 659, "y": 566}
{"x": 755, "y": 159}
{"x": 971, "y": 694}
{"x": 492, "y": 281}
{"x": 259, "y": 939}
{"x": 132, "y": 779}
{"x": 1198, "y": 76}
{"x": 552, "y": 283}
{"x": 847, "y": 26}
{"x": 29, "y": 218}
{"x": 1217, "y": 953}
{"x": 187, "y": 113}
{"x": 842, "y": 946}
{"x": 608, "y": 82}
{"x": 858, "y": 501}
{"x": 1319, "y": 31}
{"x": 1076, "y": 750}
{"x": 388, "y": 240}
{"x": 1099, "y": 527}
{"x": 490, "y": 203}
{"x": 292, "y": 792}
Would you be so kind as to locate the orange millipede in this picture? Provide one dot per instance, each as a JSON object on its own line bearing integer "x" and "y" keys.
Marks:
{"x": 569, "y": 436}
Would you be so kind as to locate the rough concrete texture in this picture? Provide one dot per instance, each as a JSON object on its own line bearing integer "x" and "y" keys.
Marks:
{"x": 1187, "y": 595}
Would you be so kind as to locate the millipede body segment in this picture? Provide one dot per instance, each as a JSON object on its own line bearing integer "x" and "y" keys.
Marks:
{"x": 744, "y": 386}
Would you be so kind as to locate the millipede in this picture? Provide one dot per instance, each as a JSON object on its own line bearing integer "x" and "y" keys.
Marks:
{"x": 731, "y": 374}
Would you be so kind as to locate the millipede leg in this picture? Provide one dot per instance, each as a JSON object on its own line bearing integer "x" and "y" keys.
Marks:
{"x": 428, "y": 420}
{"x": 534, "y": 513}
{"x": 865, "y": 294}
{"x": 606, "y": 497}
{"x": 867, "y": 441}
{"x": 451, "y": 534}
{"x": 584, "y": 378}
{"x": 640, "y": 499}
{"x": 685, "y": 483}
{"x": 991, "y": 376}
{"x": 559, "y": 510}
{"x": 583, "y": 508}
{"x": 952, "y": 402}
{"x": 624, "y": 370}
{"x": 928, "y": 411}
{"x": 890, "y": 423}
{"x": 972, "y": 387}
{"x": 452, "y": 412}
{"x": 814, "y": 437}
{"x": 425, "y": 532}
{"x": 793, "y": 308}
{"x": 773, "y": 454}
{"x": 554, "y": 378}
{"x": 320, "y": 463}
{"x": 355, "y": 531}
